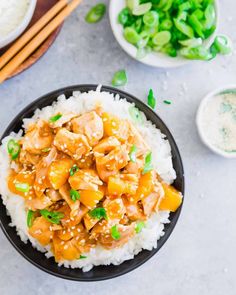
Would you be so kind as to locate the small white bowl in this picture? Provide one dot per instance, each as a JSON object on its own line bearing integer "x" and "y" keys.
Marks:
{"x": 153, "y": 59}
{"x": 21, "y": 27}
{"x": 201, "y": 132}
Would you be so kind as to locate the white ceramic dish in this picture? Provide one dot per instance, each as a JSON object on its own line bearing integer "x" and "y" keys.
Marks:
{"x": 201, "y": 132}
{"x": 154, "y": 59}
{"x": 21, "y": 27}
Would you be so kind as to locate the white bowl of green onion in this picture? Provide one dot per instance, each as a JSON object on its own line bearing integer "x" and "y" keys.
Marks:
{"x": 166, "y": 33}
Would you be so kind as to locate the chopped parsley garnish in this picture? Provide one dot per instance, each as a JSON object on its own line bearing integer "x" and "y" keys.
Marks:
{"x": 82, "y": 257}
{"x": 75, "y": 195}
{"x": 55, "y": 118}
{"x": 132, "y": 154}
{"x": 139, "y": 226}
{"x": 53, "y": 217}
{"x": 115, "y": 233}
{"x": 167, "y": 101}
{"x": 151, "y": 99}
{"x": 74, "y": 169}
{"x": 148, "y": 163}
{"x": 98, "y": 213}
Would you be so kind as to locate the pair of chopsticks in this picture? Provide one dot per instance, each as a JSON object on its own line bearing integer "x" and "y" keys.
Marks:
{"x": 34, "y": 37}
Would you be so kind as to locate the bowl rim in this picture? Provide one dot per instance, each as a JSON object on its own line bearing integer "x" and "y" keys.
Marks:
{"x": 198, "y": 120}
{"x": 157, "y": 60}
{"x": 13, "y": 35}
{"x": 30, "y": 108}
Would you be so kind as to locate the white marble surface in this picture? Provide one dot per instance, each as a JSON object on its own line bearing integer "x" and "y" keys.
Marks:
{"x": 199, "y": 257}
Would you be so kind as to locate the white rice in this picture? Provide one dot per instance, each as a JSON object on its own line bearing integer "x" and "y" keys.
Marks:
{"x": 162, "y": 161}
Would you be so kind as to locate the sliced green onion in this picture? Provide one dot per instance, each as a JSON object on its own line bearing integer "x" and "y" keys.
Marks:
{"x": 115, "y": 233}
{"x": 132, "y": 153}
{"x": 82, "y": 257}
{"x": 148, "y": 164}
{"x": 173, "y": 27}
{"x": 196, "y": 25}
{"x": 142, "y": 8}
{"x": 166, "y": 25}
{"x": 161, "y": 38}
{"x": 53, "y": 217}
{"x": 22, "y": 187}
{"x": 151, "y": 18}
{"x": 151, "y": 99}
{"x": 184, "y": 28}
{"x": 167, "y": 101}
{"x": 75, "y": 195}
{"x": 141, "y": 53}
{"x": 135, "y": 115}
{"x": 131, "y": 4}
{"x": 46, "y": 150}
{"x": 210, "y": 17}
{"x": 131, "y": 35}
{"x": 30, "y": 218}
{"x": 223, "y": 45}
{"x": 74, "y": 169}
{"x": 98, "y": 213}
{"x": 13, "y": 149}
{"x": 119, "y": 78}
{"x": 55, "y": 118}
{"x": 191, "y": 42}
{"x": 139, "y": 226}
{"x": 199, "y": 52}
{"x": 96, "y": 13}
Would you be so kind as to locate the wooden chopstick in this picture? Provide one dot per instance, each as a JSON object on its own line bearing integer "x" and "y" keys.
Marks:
{"x": 25, "y": 38}
{"x": 37, "y": 40}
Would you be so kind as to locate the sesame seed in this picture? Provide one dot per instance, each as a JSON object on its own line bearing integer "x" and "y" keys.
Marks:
{"x": 66, "y": 247}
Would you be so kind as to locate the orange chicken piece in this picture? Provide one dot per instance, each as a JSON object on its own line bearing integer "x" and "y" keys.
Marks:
{"x": 85, "y": 179}
{"x": 122, "y": 184}
{"x": 114, "y": 126}
{"x": 102, "y": 233}
{"x": 27, "y": 158}
{"x": 89, "y": 221}
{"x": 89, "y": 124}
{"x": 111, "y": 163}
{"x": 68, "y": 221}
{"x": 106, "y": 145}
{"x": 72, "y": 144}
{"x": 74, "y": 206}
{"x": 137, "y": 140}
{"x": 66, "y": 234}
{"x": 172, "y": 198}
{"x": 65, "y": 250}
{"x": 89, "y": 198}
{"x": 40, "y": 230}
{"x": 59, "y": 172}
{"x": 38, "y": 203}
{"x": 145, "y": 186}
{"x": 149, "y": 202}
{"x": 41, "y": 180}
{"x": 133, "y": 210}
{"x": 23, "y": 177}
{"x": 37, "y": 138}
{"x": 115, "y": 208}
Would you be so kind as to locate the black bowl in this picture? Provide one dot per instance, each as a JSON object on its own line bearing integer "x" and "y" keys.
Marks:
{"x": 99, "y": 272}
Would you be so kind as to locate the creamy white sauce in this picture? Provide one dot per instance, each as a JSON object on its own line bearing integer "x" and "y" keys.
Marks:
{"x": 12, "y": 13}
{"x": 219, "y": 121}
